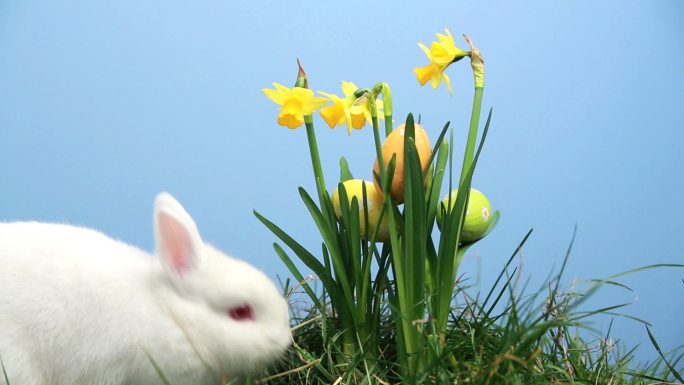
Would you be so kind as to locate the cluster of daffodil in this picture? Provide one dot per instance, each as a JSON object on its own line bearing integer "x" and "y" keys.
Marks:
{"x": 297, "y": 102}
{"x": 390, "y": 218}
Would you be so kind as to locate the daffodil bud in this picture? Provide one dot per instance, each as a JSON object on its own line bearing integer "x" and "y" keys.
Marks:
{"x": 302, "y": 81}
{"x": 477, "y": 218}
{"x": 354, "y": 189}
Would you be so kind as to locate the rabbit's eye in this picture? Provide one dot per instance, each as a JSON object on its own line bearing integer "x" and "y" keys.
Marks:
{"x": 242, "y": 313}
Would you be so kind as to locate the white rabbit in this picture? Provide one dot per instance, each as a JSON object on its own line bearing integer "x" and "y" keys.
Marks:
{"x": 79, "y": 308}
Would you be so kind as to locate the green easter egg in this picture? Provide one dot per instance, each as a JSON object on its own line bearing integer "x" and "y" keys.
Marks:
{"x": 477, "y": 218}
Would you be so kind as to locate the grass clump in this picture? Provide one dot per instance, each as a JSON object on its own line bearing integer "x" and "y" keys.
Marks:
{"x": 507, "y": 336}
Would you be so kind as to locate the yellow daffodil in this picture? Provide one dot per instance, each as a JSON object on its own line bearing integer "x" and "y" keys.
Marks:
{"x": 441, "y": 54}
{"x": 350, "y": 110}
{"x": 338, "y": 113}
{"x": 444, "y": 51}
{"x": 296, "y": 102}
{"x": 435, "y": 74}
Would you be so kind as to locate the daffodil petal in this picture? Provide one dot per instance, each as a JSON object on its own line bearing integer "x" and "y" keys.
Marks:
{"x": 301, "y": 93}
{"x": 348, "y": 122}
{"x": 447, "y": 81}
{"x": 312, "y": 104}
{"x": 348, "y": 88}
{"x": 282, "y": 89}
{"x": 425, "y": 49}
{"x": 334, "y": 98}
{"x": 441, "y": 54}
{"x": 274, "y": 95}
{"x": 436, "y": 79}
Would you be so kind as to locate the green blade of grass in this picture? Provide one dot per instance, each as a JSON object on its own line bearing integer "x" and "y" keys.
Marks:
{"x": 160, "y": 373}
{"x": 438, "y": 145}
{"x": 642, "y": 268}
{"x": 435, "y": 187}
{"x": 297, "y": 275}
{"x": 4, "y": 372}
{"x": 416, "y": 231}
{"x": 338, "y": 264}
{"x": 355, "y": 254}
{"x": 503, "y": 271}
{"x": 657, "y": 347}
{"x": 304, "y": 255}
{"x": 342, "y": 229}
{"x": 646, "y": 377}
{"x": 552, "y": 295}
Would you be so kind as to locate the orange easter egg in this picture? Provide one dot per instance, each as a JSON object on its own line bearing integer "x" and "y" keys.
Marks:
{"x": 394, "y": 144}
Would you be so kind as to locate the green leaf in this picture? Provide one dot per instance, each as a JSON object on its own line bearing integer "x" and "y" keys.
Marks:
{"x": 339, "y": 267}
{"x": 451, "y": 234}
{"x": 438, "y": 145}
{"x": 298, "y": 275}
{"x": 304, "y": 255}
{"x": 345, "y": 174}
{"x": 503, "y": 271}
{"x": 415, "y": 225}
{"x": 4, "y": 372}
{"x": 160, "y": 373}
{"x": 435, "y": 187}
{"x": 655, "y": 344}
{"x": 354, "y": 240}
{"x": 323, "y": 273}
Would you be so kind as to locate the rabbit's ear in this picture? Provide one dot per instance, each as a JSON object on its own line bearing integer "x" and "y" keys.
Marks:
{"x": 178, "y": 242}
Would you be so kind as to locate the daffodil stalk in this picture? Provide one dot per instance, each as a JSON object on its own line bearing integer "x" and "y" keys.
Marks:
{"x": 444, "y": 266}
{"x": 303, "y": 82}
{"x": 298, "y": 105}
{"x": 384, "y": 90}
{"x": 442, "y": 53}
{"x": 477, "y": 64}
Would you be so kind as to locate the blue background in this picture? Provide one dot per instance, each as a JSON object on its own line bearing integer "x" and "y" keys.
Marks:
{"x": 104, "y": 104}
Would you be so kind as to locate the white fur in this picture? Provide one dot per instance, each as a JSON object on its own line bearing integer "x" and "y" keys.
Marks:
{"x": 77, "y": 307}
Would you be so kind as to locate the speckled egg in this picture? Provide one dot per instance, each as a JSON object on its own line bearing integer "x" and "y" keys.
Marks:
{"x": 477, "y": 218}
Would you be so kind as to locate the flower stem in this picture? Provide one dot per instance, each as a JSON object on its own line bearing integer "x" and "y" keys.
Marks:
{"x": 472, "y": 133}
{"x": 384, "y": 89}
{"x": 315, "y": 157}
